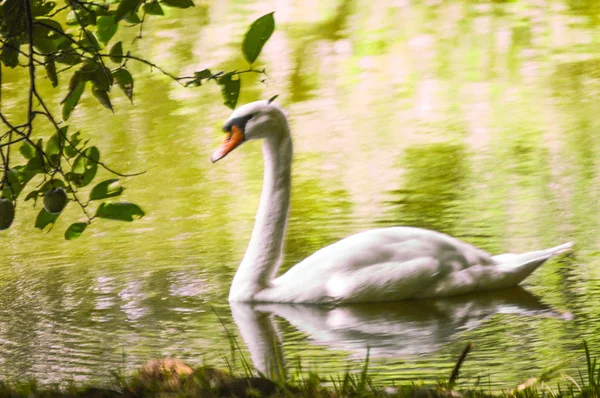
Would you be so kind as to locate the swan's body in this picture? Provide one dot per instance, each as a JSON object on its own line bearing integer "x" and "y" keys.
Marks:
{"x": 373, "y": 266}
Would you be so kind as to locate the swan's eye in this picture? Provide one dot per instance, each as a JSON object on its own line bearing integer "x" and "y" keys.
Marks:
{"x": 240, "y": 122}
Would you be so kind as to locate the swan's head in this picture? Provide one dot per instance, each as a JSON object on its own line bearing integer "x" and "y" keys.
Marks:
{"x": 256, "y": 120}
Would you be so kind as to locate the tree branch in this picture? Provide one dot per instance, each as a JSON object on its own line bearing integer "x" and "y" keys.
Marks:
{"x": 32, "y": 91}
{"x": 57, "y": 11}
{"x": 15, "y": 129}
{"x": 7, "y": 44}
{"x": 65, "y": 35}
{"x": 87, "y": 35}
{"x": 13, "y": 142}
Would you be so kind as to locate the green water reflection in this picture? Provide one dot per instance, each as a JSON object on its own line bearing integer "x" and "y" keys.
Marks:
{"x": 474, "y": 118}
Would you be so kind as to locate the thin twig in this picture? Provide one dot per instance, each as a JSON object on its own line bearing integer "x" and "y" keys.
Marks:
{"x": 7, "y": 44}
{"x": 32, "y": 91}
{"x": 150, "y": 64}
{"x": 65, "y": 35}
{"x": 59, "y": 10}
{"x": 461, "y": 359}
{"x": 141, "y": 28}
{"x": 95, "y": 51}
{"x": 13, "y": 142}
{"x": 15, "y": 129}
{"x": 75, "y": 198}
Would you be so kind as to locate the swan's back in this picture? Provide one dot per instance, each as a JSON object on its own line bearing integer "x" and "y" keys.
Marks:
{"x": 398, "y": 263}
{"x": 376, "y": 265}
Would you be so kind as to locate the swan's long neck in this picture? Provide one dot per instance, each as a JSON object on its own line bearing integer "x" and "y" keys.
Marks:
{"x": 264, "y": 253}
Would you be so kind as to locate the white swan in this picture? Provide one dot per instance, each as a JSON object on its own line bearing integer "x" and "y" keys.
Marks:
{"x": 378, "y": 265}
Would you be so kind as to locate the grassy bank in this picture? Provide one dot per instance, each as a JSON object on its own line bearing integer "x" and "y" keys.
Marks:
{"x": 173, "y": 378}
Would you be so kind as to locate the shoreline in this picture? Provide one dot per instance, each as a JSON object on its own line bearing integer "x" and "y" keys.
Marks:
{"x": 174, "y": 378}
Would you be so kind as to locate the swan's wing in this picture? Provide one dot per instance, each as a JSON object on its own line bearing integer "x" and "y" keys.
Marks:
{"x": 376, "y": 265}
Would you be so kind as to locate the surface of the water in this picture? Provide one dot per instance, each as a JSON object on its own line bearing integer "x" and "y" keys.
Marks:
{"x": 478, "y": 120}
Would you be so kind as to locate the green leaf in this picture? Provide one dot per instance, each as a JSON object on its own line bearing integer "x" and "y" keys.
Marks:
{"x": 53, "y": 145}
{"x": 125, "y": 7}
{"x": 44, "y": 44}
{"x": 125, "y": 82}
{"x": 230, "y": 89}
{"x": 51, "y": 184}
{"x": 32, "y": 195}
{"x": 97, "y": 74}
{"x": 81, "y": 162}
{"x": 10, "y": 53}
{"x": 75, "y": 230}
{"x": 40, "y": 9}
{"x": 153, "y": 8}
{"x": 86, "y": 165}
{"x": 24, "y": 175}
{"x": 106, "y": 189}
{"x": 106, "y": 28}
{"x": 71, "y": 100}
{"x": 51, "y": 71}
{"x": 103, "y": 98}
{"x": 102, "y": 78}
{"x": 257, "y": 35}
{"x": 178, "y": 3}
{"x": 49, "y": 25}
{"x": 81, "y": 18}
{"x": 68, "y": 59}
{"x": 70, "y": 148}
{"x": 13, "y": 187}
{"x": 74, "y": 178}
{"x": 133, "y": 18}
{"x": 34, "y": 166}
{"x": 89, "y": 41}
{"x": 27, "y": 150}
{"x": 121, "y": 211}
{"x": 72, "y": 18}
{"x": 87, "y": 70}
{"x": 56, "y": 142}
{"x": 198, "y": 76}
{"x": 203, "y": 74}
{"x": 116, "y": 53}
{"x": 44, "y": 219}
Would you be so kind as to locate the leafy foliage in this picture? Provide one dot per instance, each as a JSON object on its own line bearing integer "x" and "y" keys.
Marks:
{"x": 75, "y": 230}
{"x": 260, "y": 31}
{"x": 77, "y": 39}
{"x": 121, "y": 211}
{"x": 106, "y": 189}
{"x": 231, "y": 89}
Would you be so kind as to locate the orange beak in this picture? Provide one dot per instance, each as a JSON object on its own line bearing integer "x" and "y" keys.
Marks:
{"x": 234, "y": 138}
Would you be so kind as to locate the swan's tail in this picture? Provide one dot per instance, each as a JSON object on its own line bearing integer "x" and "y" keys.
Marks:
{"x": 517, "y": 267}
{"x": 565, "y": 247}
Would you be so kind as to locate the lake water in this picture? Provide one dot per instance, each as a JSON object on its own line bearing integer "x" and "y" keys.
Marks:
{"x": 478, "y": 119}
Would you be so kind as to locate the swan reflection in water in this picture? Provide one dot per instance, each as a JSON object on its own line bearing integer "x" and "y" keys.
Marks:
{"x": 387, "y": 329}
